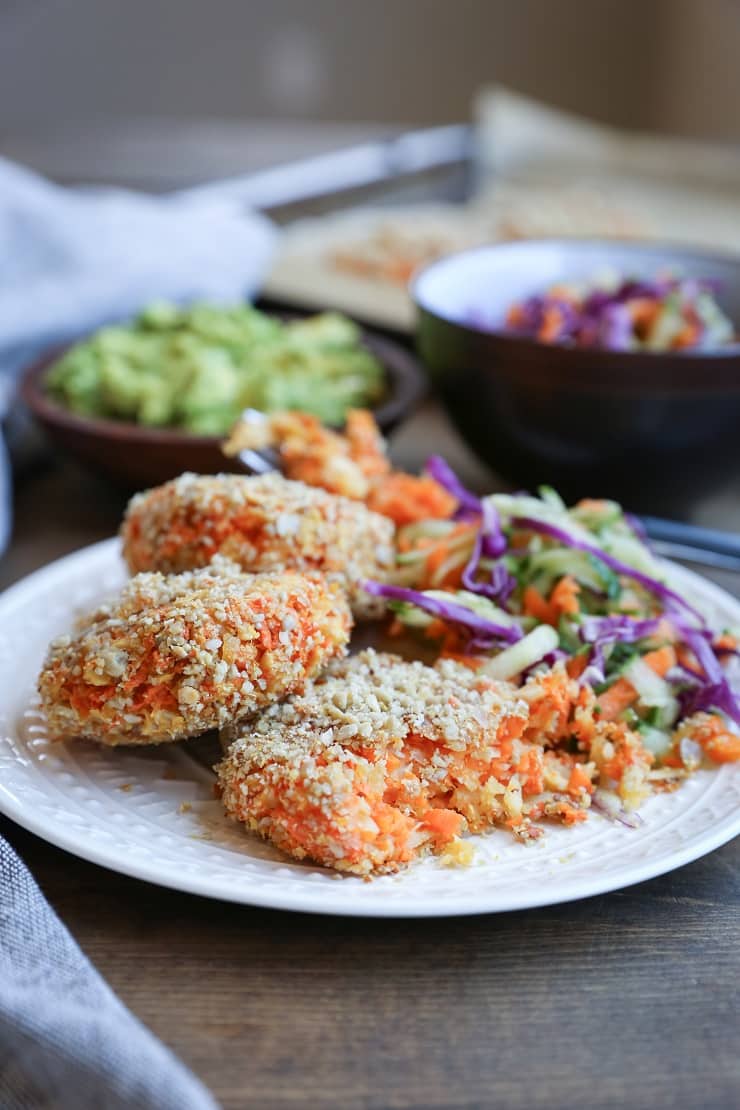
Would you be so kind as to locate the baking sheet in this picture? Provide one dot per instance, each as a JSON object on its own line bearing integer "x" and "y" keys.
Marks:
{"x": 537, "y": 172}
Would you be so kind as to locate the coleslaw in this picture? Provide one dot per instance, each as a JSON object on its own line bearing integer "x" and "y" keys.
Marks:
{"x": 571, "y": 605}
{"x": 665, "y": 314}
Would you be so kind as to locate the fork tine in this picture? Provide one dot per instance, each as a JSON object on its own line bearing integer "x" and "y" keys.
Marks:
{"x": 259, "y": 462}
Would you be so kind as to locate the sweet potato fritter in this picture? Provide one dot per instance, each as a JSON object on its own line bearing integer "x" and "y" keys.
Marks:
{"x": 173, "y": 657}
{"x": 264, "y": 523}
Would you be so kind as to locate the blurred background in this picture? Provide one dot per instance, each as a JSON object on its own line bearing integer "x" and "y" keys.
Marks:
{"x": 432, "y": 127}
{"x": 165, "y": 92}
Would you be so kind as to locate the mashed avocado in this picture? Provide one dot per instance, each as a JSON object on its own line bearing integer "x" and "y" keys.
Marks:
{"x": 197, "y": 368}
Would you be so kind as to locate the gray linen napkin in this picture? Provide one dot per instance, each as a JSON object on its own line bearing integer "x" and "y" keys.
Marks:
{"x": 66, "y": 1041}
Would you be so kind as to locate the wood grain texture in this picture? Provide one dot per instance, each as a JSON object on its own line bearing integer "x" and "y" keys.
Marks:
{"x": 625, "y": 1000}
{"x": 630, "y": 999}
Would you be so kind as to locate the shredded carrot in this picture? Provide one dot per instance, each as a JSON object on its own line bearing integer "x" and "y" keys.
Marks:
{"x": 444, "y": 824}
{"x": 534, "y": 605}
{"x": 436, "y": 557}
{"x": 579, "y": 781}
{"x": 552, "y": 323}
{"x": 661, "y": 660}
{"x": 550, "y": 713}
{"x": 616, "y": 699}
{"x": 441, "y": 550}
{"x": 571, "y": 815}
{"x": 365, "y": 443}
{"x": 622, "y": 693}
{"x": 394, "y": 823}
{"x": 564, "y": 596}
{"x": 723, "y": 748}
{"x": 687, "y": 659}
{"x": 435, "y": 629}
{"x": 405, "y": 498}
{"x": 644, "y": 312}
{"x": 511, "y": 728}
{"x": 576, "y": 665}
{"x": 711, "y": 733}
{"x": 687, "y": 336}
{"x": 158, "y": 697}
{"x": 529, "y": 768}
{"x": 454, "y": 641}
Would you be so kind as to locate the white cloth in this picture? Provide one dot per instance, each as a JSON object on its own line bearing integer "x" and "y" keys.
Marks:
{"x": 73, "y": 259}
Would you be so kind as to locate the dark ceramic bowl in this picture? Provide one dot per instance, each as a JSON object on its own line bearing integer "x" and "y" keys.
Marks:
{"x": 135, "y": 457}
{"x": 656, "y": 430}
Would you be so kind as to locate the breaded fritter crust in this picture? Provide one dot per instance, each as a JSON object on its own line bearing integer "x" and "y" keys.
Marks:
{"x": 378, "y": 761}
{"x": 172, "y": 657}
{"x": 263, "y": 523}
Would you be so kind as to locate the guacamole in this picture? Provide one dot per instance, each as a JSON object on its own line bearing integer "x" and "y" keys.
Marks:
{"x": 197, "y": 368}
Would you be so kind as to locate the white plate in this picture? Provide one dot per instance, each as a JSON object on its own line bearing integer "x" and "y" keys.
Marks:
{"x": 151, "y": 813}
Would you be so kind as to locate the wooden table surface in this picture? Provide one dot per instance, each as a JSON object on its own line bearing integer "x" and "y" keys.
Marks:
{"x": 625, "y": 1000}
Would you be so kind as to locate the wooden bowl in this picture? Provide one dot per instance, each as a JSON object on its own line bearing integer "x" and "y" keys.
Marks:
{"x": 135, "y": 457}
{"x": 657, "y": 430}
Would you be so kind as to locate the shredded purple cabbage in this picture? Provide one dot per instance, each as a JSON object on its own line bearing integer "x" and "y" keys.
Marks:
{"x": 608, "y": 805}
{"x": 439, "y": 469}
{"x": 484, "y": 634}
{"x": 504, "y": 583}
{"x": 616, "y": 627}
{"x": 533, "y": 316}
{"x": 602, "y": 632}
{"x": 629, "y": 290}
{"x": 604, "y": 318}
{"x": 493, "y": 538}
{"x": 651, "y": 584}
{"x": 714, "y": 691}
{"x": 679, "y": 675}
{"x": 615, "y": 331}
{"x": 491, "y": 543}
{"x": 549, "y": 659}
